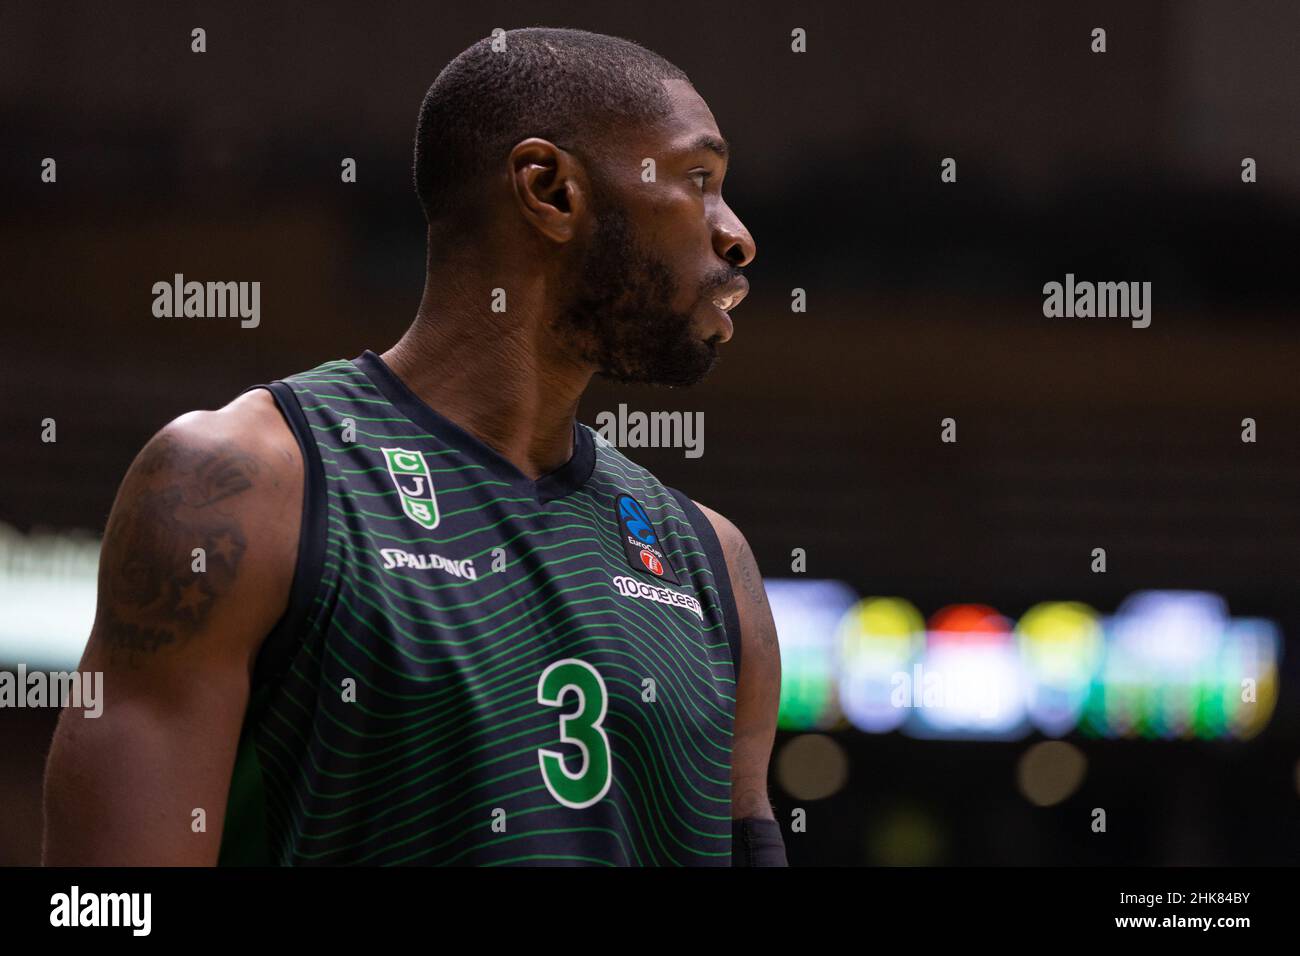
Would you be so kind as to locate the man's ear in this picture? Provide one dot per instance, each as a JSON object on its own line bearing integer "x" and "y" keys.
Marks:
{"x": 549, "y": 186}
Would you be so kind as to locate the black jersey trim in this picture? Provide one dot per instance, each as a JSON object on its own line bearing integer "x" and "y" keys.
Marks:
{"x": 565, "y": 480}
{"x": 285, "y": 638}
{"x": 721, "y": 577}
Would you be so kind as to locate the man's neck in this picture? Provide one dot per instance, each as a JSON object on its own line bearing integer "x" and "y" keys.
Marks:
{"x": 496, "y": 381}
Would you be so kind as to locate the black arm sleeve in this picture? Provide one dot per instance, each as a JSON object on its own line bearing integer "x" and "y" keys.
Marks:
{"x": 757, "y": 842}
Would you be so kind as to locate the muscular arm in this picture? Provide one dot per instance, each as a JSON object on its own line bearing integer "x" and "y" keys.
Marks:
{"x": 758, "y": 690}
{"x": 176, "y": 645}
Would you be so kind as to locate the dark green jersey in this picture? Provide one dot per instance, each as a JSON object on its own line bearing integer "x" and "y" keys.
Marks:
{"x": 477, "y": 668}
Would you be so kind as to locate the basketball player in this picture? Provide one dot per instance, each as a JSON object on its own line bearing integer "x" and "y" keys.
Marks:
{"x": 405, "y": 608}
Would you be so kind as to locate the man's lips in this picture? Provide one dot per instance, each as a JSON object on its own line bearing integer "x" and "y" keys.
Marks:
{"x": 729, "y": 296}
{"x": 727, "y": 327}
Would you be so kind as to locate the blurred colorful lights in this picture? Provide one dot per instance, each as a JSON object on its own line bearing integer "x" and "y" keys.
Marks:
{"x": 1165, "y": 665}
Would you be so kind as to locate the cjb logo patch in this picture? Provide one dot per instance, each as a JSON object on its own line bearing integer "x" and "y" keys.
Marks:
{"x": 645, "y": 551}
{"x": 410, "y": 474}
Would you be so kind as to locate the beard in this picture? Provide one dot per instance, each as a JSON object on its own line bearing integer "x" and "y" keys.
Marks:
{"x": 621, "y": 318}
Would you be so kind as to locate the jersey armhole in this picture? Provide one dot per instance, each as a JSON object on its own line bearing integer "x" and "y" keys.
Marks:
{"x": 284, "y": 639}
{"x": 721, "y": 576}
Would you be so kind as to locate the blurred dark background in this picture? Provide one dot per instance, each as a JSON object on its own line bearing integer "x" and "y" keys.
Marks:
{"x": 822, "y": 428}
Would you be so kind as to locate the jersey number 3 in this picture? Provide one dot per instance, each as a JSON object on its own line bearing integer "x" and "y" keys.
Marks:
{"x": 582, "y": 728}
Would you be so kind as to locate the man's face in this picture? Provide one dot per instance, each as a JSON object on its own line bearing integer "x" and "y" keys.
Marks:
{"x": 663, "y": 263}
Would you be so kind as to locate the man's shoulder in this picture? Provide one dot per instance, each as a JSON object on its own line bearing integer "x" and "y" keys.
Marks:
{"x": 251, "y": 423}
{"x": 241, "y": 456}
{"x": 729, "y": 535}
{"x": 203, "y": 537}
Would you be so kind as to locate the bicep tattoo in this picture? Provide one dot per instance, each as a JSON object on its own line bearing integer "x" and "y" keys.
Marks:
{"x": 173, "y": 544}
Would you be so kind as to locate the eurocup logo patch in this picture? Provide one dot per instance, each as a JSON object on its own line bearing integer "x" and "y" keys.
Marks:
{"x": 410, "y": 474}
{"x": 644, "y": 550}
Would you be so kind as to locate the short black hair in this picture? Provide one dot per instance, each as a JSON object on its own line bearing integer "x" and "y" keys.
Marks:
{"x": 568, "y": 86}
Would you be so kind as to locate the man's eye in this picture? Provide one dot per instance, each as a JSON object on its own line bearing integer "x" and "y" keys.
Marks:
{"x": 703, "y": 176}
